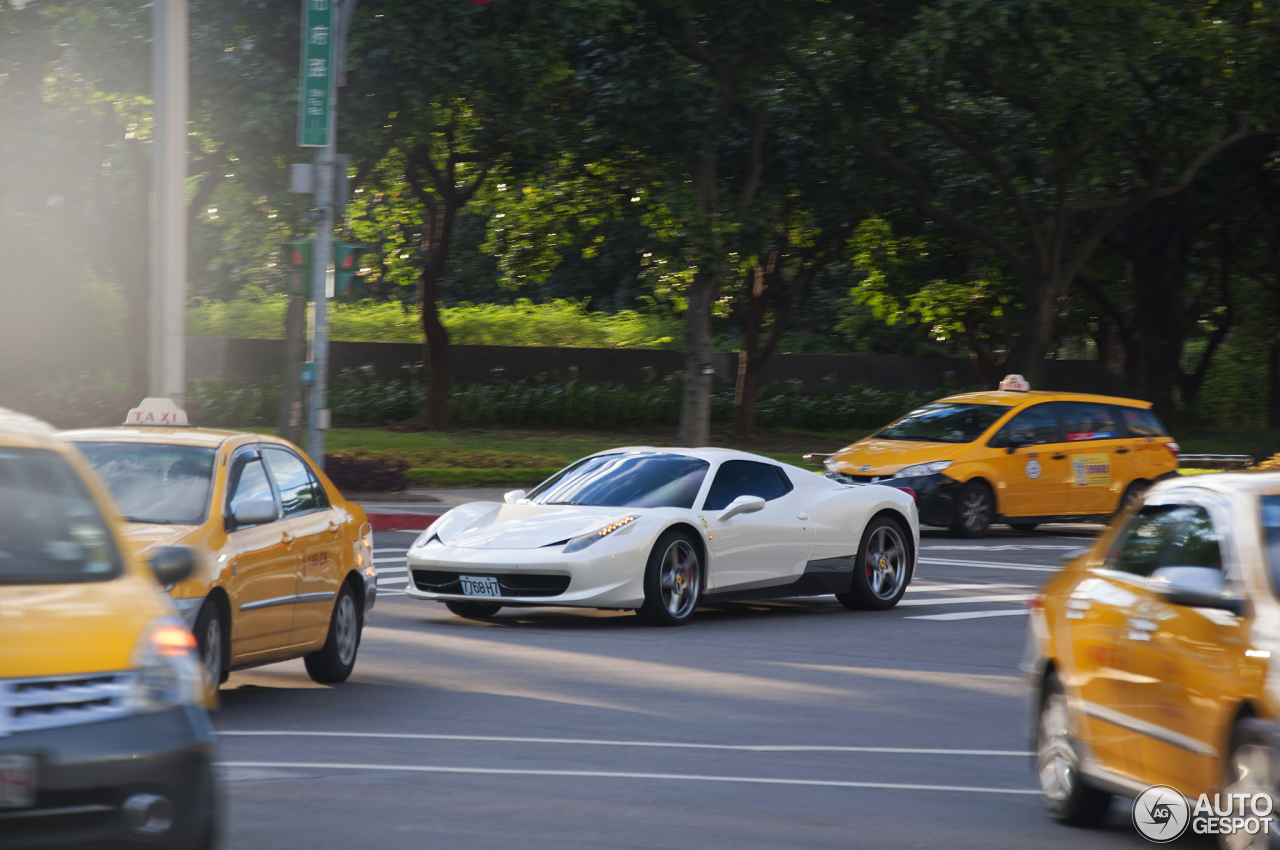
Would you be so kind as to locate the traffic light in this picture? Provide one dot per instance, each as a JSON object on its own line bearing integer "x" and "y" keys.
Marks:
{"x": 346, "y": 264}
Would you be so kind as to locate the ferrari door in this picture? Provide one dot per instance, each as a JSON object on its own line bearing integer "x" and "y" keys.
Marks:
{"x": 317, "y": 532}
{"x": 767, "y": 547}
{"x": 264, "y": 556}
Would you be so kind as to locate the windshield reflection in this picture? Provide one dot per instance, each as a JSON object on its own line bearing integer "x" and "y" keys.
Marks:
{"x": 626, "y": 481}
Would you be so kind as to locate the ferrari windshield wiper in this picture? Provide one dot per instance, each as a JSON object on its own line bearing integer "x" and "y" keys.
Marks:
{"x": 564, "y": 503}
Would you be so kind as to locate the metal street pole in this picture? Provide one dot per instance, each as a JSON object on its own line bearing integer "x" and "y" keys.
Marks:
{"x": 168, "y": 264}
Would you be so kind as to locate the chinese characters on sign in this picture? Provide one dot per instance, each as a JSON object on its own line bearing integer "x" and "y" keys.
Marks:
{"x": 316, "y": 87}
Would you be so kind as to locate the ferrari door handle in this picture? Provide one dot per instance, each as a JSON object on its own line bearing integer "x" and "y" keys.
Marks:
{"x": 1122, "y": 451}
{"x": 802, "y": 516}
{"x": 1059, "y": 457}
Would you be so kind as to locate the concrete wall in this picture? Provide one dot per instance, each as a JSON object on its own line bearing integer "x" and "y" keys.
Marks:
{"x": 241, "y": 361}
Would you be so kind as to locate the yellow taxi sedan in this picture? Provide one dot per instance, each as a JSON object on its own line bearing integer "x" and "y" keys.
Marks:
{"x": 1153, "y": 657}
{"x": 284, "y": 564}
{"x": 1015, "y": 456}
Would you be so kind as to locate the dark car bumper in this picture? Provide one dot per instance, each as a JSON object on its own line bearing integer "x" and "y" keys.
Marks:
{"x": 935, "y": 497}
{"x": 85, "y": 775}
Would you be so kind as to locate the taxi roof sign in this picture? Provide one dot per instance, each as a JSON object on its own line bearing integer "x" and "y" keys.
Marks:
{"x": 157, "y": 411}
{"x": 1016, "y": 384}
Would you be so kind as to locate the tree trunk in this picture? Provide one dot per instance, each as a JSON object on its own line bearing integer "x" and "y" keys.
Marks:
{"x": 1037, "y": 333}
{"x": 435, "y": 345}
{"x": 699, "y": 369}
{"x": 1273, "y": 383}
{"x": 744, "y": 420}
{"x": 295, "y": 351}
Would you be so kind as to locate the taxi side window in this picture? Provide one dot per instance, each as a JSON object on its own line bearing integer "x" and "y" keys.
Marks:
{"x": 299, "y": 490}
{"x": 250, "y": 483}
{"x": 1271, "y": 536}
{"x": 1167, "y": 536}
{"x": 1084, "y": 421}
{"x": 1142, "y": 423}
{"x": 745, "y": 478}
{"x": 1032, "y": 427}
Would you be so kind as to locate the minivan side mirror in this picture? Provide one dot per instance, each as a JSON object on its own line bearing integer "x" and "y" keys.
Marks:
{"x": 172, "y": 564}
{"x": 741, "y": 505}
{"x": 1017, "y": 441}
{"x": 255, "y": 512}
{"x": 1196, "y": 587}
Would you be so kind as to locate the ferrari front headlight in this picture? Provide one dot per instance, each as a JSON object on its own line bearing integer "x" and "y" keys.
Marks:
{"x": 168, "y": 673}
{"x": 921, "y": 469}
{"x": 582, "y": 541}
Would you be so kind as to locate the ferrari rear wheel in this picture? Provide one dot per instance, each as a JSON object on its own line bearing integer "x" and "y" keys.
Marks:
{"x": 882, "y": 569}
{"x": 473, "y": 610}
{"x": 672, "y": 581}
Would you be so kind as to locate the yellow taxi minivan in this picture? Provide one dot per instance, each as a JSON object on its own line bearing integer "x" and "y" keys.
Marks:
{"x": 104, "y": 736}
{"x": 284, "y": 564}
{"x": 1152, "y": 658}
{"x": 1015, "y": 456}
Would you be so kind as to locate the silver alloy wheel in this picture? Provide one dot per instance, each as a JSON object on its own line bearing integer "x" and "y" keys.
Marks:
{"x": 1252, "y": 770}
{"x": 678, "y": 579}
{"x": 344, "y": 622}
{"x": 213, "y": 650}
{"x": 975, "y": 510}
{"x": 1056, "y": 762}
{"x": 886, "y": 562}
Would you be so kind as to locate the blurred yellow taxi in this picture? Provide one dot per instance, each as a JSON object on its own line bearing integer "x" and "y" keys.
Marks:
{"x": 1153, "y": 656}
{"x": 284, "y": 564}
{"x": 103, "y": 732}
{"x": 1015, "y": 456}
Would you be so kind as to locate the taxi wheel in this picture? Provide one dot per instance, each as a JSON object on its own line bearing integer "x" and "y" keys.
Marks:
{"x": 334, "y": 662}
{"x": 473, "y": 610}
{"x": 880, "y": 574}
{"x": 1253, "y": 768}
{"x": 672, "y": 581}
{"x": 1066, "y": 795}
{"x": 211, "y": 642}
{"x": 975, "y": 508}
{"x": 1132, "y": 493}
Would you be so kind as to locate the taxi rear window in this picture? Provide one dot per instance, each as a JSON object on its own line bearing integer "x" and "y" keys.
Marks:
{"x": 1271, "y": 536}
{"x": 51, "y": 531}
{"x": 1142, "y": 423}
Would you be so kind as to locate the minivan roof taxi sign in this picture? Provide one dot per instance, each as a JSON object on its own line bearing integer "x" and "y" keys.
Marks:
{"x": 157, "y": 411}
{"x": 1015, "y": 383}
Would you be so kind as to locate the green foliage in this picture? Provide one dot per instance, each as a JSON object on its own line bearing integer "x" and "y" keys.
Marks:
{"x": 470, "y": 459}
{"x": 480, "y": 477}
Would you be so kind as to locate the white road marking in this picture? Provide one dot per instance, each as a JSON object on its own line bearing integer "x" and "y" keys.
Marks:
{"x": 400, "y": 560}
{"x": 964, "y": 600}
{"x": 591, "y": 742}
{"x": 383, "y": 571}
{"x": 969, "y": 547}
{"x": 996, "y": 565}
{"x": 935, "y": 588}
{"x": 609, "y": 774}
{"x": 972, "y": 615}
{"x": 392, "y": 581}
{"x": 391, "y": 551}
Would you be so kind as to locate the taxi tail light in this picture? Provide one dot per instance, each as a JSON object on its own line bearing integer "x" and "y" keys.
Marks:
{"x": 1173, "y": 448}
{"x": 1036, "y": 603}
{"x": 908, "y": 491}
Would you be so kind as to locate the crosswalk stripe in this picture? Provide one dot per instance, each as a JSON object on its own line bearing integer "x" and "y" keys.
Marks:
{"x": 994, "y": 565}
{"x": 971, "y": 615}
{"x": 937, "y": 588}
{"x": 967, "y": 600}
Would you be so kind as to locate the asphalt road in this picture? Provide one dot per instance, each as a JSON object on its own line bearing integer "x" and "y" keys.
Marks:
{"x": 780, "y": 724}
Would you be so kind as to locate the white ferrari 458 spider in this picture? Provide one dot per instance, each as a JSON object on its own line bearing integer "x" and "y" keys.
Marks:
{"x": 662, "y": 530}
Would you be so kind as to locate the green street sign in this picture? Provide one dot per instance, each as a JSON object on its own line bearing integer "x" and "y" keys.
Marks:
{"x": 316, "y": 76}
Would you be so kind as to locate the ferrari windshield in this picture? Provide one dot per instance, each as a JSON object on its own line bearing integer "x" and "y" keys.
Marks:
{"x": 945, "y": 422}
{"x": 154, "y": 482}
{"x": 625, "y": 481}
{"x": 51, "y": 531}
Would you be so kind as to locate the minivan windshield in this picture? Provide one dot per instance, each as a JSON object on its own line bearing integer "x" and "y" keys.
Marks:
{"x": 945, "y": 422}
{"x": 626, "y": 481}
{"x": 51, "y": 531}
{"x": 155, "y": 482}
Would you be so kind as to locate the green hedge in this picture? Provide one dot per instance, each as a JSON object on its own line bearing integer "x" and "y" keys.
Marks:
{"x": 461, "y": 477}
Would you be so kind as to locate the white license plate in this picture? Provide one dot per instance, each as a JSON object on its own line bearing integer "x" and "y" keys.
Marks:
{"x": 17, "y": 782}
{"x": 477, "y": 586}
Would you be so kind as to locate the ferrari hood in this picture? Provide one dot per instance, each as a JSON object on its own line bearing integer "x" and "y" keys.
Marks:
{"x": 885, "y": 457}
{"x": 486, "y": 525}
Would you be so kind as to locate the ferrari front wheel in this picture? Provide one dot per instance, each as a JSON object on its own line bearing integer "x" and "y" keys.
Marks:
{"x": 672, "y": 581}
{"x": 881, "y": 569}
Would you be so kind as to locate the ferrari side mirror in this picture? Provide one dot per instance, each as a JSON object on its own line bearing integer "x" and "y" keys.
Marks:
{"x": 742, "y": 505}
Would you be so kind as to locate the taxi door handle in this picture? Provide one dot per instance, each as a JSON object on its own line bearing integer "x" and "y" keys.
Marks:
{"x": 1122, "y": 451}
{"x": 334, "y": 528}
{"x": 1140, "y": 629}
{"x": 286, "y": 538}
{"x": 1059, "y": 457}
